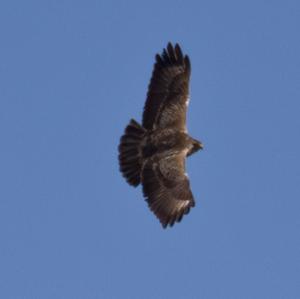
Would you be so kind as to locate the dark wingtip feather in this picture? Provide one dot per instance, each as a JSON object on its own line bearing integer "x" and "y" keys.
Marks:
{"x": 165, "y": 56}
{"x": 178, "y": 53}
{"x": 187, "y": 63}
{"x": 158, "y": 58}
{"x": 179, "y": 217}
{"x": 171, "y": 53}
{"x": 164, "y": 224}
{"x": 169, "y": 45}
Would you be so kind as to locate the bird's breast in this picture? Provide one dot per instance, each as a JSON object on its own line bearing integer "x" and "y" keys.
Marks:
{"x": 164, "y": 142}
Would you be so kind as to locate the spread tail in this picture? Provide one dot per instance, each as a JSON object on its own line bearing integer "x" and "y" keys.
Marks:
{"x": 129, "y": 152}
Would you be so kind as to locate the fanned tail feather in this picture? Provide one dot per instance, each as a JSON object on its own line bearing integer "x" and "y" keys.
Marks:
{"x": 129, "y": 152}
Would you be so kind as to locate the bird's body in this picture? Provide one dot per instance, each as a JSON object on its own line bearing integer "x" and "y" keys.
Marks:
{"x": 154, "y": 153}
{"x": 165, "y": 142}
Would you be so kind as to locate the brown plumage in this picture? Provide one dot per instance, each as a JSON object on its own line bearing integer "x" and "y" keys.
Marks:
{"x": 154, "y": 153}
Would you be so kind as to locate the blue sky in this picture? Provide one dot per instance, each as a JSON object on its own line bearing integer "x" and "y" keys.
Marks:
{"x": 72, "y": 74}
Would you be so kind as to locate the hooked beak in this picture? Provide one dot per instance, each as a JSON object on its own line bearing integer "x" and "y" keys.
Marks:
{"x": 201, "y": 146}
{"x": 198, "y": 145}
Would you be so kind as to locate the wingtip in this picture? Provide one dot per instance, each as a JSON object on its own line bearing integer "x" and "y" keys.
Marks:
{"x": 178, "y": 52}
{"x": 171, "y": 54}
{"x": 187, "y": 63}
{"x": 169, "y": 45}
{"x": 164, "y": 225}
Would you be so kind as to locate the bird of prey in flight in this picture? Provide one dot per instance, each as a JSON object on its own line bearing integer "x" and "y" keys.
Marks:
{"x": 153, "y": 153}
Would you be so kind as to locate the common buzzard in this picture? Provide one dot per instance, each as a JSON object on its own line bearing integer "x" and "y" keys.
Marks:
{"x": 154, "y": 153}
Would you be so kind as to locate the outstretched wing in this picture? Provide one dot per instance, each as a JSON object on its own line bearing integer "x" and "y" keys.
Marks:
{"x": 167, "y": 188}
{"x": 168, "y": 91}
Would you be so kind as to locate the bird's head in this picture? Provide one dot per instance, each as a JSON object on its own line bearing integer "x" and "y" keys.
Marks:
{"x": 196, "y": 146}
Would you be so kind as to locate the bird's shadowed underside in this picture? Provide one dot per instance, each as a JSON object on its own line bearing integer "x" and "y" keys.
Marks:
{"x": 154, "y": 153}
